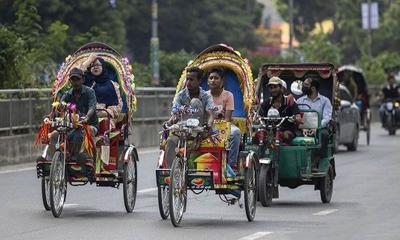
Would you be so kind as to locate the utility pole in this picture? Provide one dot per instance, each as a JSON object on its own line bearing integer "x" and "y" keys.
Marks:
{"x": 154, "y": 45}
{"x": 291, "y": 29}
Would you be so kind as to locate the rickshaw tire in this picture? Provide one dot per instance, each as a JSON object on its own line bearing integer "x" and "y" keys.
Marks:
{"x": 129, "y": 208}
{"x": 45, "y": 198}
{"x": 326, "y": 194}
{"x": 175, "y": 221}
{"x": 250, "y": 213}
{"x": 56, "y": 158}
{"x": 164, "y": 215}
{"x": 265, "y": 192}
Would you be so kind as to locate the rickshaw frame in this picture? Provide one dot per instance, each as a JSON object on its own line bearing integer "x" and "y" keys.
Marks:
{"x": 124, "y": 169}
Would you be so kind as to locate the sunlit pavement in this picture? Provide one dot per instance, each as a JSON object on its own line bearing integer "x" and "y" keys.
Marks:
{"x": 365, "y": 205}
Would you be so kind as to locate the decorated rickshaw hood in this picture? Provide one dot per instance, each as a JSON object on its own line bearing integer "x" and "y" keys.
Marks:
{"x": 222, "y": 55}
{"x": 121, "y": 65}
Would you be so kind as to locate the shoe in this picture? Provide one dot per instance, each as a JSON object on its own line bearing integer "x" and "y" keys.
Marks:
{"x": 229, "y": 172}
{"x": 314, "y": 170}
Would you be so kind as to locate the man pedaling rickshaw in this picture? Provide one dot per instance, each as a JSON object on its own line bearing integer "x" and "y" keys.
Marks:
{"x": 85, "y": 100}
{"x": 192, "y": 96}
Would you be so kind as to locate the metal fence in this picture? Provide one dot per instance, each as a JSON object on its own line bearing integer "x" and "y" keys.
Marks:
{"x": 22, "y": 110}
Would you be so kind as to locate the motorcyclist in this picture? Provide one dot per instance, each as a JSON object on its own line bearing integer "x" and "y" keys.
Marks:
{"x": 390, "y": 92}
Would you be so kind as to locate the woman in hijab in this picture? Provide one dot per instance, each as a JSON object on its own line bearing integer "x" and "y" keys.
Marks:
{"x": 98, "y": 77}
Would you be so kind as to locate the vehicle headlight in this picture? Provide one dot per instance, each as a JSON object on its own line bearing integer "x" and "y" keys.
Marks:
{"x": 192, "y": 122}
{"x": 389, "y": 106}
{"x": 397, "y": 104}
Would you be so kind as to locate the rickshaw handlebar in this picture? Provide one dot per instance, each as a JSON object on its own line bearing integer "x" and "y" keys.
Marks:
{"x": 276, "y": 119}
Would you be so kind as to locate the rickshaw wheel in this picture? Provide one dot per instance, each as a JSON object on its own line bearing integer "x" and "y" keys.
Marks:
{"x": 58, "y": 184}
{"x": 250, "y": 190}
{"x": 177, "y": 191}
{"x": 46, "y": 193}
{"x": 265, "y": 186}
{"x": 326, "y": 186}
{"x": 163, "y": 204}
{"x": 129, "y": 181}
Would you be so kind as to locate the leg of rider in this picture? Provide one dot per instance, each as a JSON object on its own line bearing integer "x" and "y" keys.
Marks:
{"x": 234, "y": 145}
{"x": 172, "y": 143}
{"x": 382, "y": 113}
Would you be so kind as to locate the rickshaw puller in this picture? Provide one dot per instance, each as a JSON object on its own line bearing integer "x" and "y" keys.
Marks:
{"x": 85, "y": 100}
{"x": 195, "y": 97}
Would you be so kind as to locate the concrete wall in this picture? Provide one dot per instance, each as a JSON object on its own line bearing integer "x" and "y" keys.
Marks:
{"x": 18, "y": 149}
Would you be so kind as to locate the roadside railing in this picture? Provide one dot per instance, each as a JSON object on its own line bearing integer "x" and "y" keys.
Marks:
{"x": 22, "y": 110}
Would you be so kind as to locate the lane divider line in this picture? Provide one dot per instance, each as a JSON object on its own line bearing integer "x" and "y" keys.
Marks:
{"x": 17, "y": 170}
{"x": 147, "y": 190}
{"x": 325, "y": 212}
{"x": 256, "y": 235}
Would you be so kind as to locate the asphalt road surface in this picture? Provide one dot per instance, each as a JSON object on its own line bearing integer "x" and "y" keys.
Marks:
{"x": 365, "y": 205}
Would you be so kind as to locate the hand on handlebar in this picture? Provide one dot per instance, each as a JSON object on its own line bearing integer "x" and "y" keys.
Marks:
{"x": 83, "y": 120}
{"x": 46, "y": 120}
{"x": 309, "y": 132}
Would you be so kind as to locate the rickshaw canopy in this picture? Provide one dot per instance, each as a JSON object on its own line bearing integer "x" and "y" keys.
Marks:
{"x": 119, "y": 66}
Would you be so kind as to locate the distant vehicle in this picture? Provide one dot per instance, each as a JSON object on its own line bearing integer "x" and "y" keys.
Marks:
{"x": 348, "y": 121}
{"x": 350, "y": 72}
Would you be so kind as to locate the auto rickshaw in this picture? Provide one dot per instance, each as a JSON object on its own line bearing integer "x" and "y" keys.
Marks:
{"x": 111, "y": 158}
{"x": 290, "y": 165}
{"x": 202, "y": 167}
{"x": 349, "y": 75}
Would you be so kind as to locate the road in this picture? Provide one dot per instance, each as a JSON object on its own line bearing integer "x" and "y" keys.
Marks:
{"x": 365, "y": 205}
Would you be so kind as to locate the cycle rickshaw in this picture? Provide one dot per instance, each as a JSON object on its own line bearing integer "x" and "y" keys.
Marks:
{"x": 203, "y": 168}
{"x": 290, "y": 165}
{"x": 346, "y": 75}
{"x": 112, "y": 158}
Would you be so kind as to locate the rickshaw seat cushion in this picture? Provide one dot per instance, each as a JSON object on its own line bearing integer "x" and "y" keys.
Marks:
{"x": 303, "y": 141}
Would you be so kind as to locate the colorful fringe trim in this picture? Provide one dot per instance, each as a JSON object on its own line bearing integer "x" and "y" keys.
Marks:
{"x": 43, "y": 134}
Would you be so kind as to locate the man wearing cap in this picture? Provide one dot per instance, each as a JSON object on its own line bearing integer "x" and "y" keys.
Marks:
{"x": 85, "y": 100}
{"x": 285, "y": 107}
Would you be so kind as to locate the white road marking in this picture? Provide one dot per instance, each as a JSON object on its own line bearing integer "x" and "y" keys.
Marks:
{"x": 256, "y": 235}
{"x": 17, "y": 170}
{"x": 325, "y": 212}
{"x": 71, "y": 205}
{"x": 147, "y": 190}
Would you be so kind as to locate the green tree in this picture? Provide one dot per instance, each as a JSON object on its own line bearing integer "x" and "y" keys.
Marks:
{"x": 318, "y": 48}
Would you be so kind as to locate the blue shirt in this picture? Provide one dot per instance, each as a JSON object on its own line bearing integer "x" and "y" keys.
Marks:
{"x": 321, "y": 104}
{"x": 183, "y": 99}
